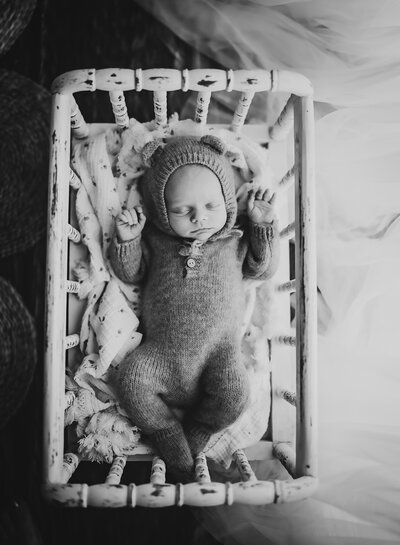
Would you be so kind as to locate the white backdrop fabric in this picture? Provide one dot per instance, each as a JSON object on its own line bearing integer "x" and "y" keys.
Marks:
{"x": 349, "y": 49}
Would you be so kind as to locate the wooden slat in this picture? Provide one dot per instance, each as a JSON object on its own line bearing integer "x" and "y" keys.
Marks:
{"x": 120, "y": 79}
{"x": 56, "y": 293}
{"x": 306, "y": 290}
{"x": 167, "y": 495}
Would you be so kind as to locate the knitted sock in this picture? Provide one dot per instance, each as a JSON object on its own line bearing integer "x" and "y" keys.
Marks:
{"x": 197, "y": 438}
{"x": 174, "y": 449}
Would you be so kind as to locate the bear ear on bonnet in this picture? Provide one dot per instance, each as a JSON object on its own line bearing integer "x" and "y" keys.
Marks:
{"x": 151, "y": 151}
{"x": 215, "y": 143}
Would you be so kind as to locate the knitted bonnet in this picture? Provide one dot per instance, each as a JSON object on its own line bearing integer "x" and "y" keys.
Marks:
{"x": 208, "y": 151}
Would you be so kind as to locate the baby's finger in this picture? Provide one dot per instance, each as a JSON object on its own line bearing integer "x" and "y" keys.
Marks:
{"x": 266, "y": 194}
{"x": 123, "y": 218}
{"x": 272, "y": 199}
{"x": 134, "y": 216}
{"x": 140, "y": 214}
{"x": 250, "y": 200}
{"x": 259, "y": 194}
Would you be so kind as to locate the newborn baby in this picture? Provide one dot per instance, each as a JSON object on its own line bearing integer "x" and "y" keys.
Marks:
{"x": 191, "y": 258}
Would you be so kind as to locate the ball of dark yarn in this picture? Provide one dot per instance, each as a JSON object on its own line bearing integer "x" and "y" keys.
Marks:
{"x": 24, "y": 150}
{"x": 14, "y": 18}
{"x": 17, "y": 351}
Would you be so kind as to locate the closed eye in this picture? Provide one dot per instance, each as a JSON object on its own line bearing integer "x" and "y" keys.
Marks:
{"x": 180, "y": 211}
{"x": 213, "y": 205}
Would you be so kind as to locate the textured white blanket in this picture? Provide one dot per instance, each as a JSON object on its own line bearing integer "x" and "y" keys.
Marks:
{"x": 109, "y": 165}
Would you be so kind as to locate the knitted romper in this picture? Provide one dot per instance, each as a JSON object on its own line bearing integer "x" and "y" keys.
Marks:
{"x": 192, "y": 306}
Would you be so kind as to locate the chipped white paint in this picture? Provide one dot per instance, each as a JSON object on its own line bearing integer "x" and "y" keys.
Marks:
{"x": 73, "y": 234}
{"x": 286, "y": 455}
{"x": 117, "y": 99}
{"x": 287, "y": 179}
{"x": 288, "y": 231}
{"x": 113, "y": 79}
{"x": 306, "y": 290}
{"x": 288, "y": 340}
{"x": 70, "y": 463}
{"x": 201, "y": 469}
{"x": 56, "y": 293}
{"x": 288, "y": 396}
{"x": 284, "y": 123}
{"x": 242, "y": 108}
{"x": 157, "y": 471}
{"x": 289, "y": 286}
{"x": 158, "y": 493}
{"x": 74, "y": 180}
{"x": 78, "y": 124}
{"x": 251, "y": 492}
{"x": 71, "y": 341}
{"x": 69, "y": 399}
{"x": 116, "y": 470}
{"x": 160, "y": 107}
{"x": 72, "y": 286}
{"x": 203, "y": 102}
{"x": 244, "y": 466}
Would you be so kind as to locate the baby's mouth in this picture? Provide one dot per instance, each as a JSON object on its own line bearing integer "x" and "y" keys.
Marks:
{"x": 201, "y": 229}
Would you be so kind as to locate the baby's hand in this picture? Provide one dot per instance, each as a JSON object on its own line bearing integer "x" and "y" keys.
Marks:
{"x": 260, "y": 206}
{"x": 129, "y": 224}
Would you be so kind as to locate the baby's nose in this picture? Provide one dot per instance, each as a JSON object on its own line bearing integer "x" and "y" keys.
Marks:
{"x": 199, "y": 216}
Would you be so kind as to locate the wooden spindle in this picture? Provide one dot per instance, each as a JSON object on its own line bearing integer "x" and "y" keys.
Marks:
{"x": 244, "y": 466}
{"x": 284, "y": 123}
{"x": 73, "y": 234}
{"x": 201, "y": 469}
{"x": 288, "y": 340}
{"x": 70, "y": 463}
{"x": 78, "y": 125}
{"x": 287, "y": 179}
{"x": 160, "y": 107}
{"x": 288, "y": 231}
{"x": 286, "y": 455}
{"x": 289, "y": 286}
{"x": 72, "y": 286}
{"x": 69, "y": 398}
{"x": 117, "y": 99}
{"x": 74, "y": 180}
{"x": 241, "y": 110}
{"x": 288, "y": 396}
{"x": 71, "y": 341}
{"x": 203, "y": 102}
{"x": 116, "y": 470}
{"x": 157, "y": 471}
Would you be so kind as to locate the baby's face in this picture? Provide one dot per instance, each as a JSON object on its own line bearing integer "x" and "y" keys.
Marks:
{"x": 195, "y": 203}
